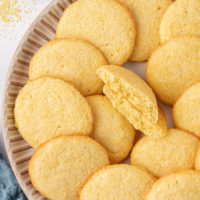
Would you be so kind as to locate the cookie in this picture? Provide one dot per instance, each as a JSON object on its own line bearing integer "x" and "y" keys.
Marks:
{"x": 59, "y": 168}
{"x": 118, "y": 182}
{"x": 147, "y": 15}
{"x": 131, "y": 96}
{"x": 129, "y": 85}
{"x": 111, "y": 128}
{"x": 182, "y": 185}
{"x": 71, "y": 60}
{"x": 105, "y": 23}
{"x": 176, "y": 151}
{"x": 49, "y": 107}
{"x": 174, "y": 67}
{"x": 186, "y": 110}
{"x": 181, "y": 18}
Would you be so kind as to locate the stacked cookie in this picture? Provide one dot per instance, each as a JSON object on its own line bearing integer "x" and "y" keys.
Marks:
{"x": 80, "y": 107}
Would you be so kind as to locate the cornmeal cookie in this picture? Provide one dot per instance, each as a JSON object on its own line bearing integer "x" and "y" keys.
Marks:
{"x": 118, "y": 182}
{"x": 176, "y": 151}
{"x": 183, "y": 185}
{"x": 174, "y": 67}
{"x": 105, "y": 23}
{"x": 134, "y": 99}
{"x": 111, "y": 128}
{"x": 49, "y": 107}
{"x": 71, "y": 60}
{"x": 181, "y": 18}
{"x": 59, "y": 168}
{"x": 186, "y": 111}
{"x": 147, "y": 15}
{"x": 129, "y": 85}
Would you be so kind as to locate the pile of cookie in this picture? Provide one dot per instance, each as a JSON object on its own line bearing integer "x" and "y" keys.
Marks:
{"x": 80, "y": 107}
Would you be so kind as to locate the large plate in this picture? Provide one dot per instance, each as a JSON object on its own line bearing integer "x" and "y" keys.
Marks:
{"x": 40, "y": 32}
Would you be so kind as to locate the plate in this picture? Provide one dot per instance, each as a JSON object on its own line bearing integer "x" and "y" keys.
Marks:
{"x": 40, "y": 32}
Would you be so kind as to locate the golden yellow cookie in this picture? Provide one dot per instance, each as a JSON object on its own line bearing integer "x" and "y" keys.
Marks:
{"x": 157, "y": 129}
{"x": 176, "y": 151}
{"x": 133, "y": 98}
{"x": 186, "y": 111}
{"x": 49, "y": 107}
{"x": 181, "y": 18}
{"x": 118, "y": 182}
{"x": 173, "y": 67}
{"x": 111, "y": 128}
{"x": 59, "y": 168}
{"x": 183, "y": 185}
{"x": 147, "y": 15}
{"x": 129, "y": 85}
{"x": 105, "y": 23}
{"x": 71, "y": 60}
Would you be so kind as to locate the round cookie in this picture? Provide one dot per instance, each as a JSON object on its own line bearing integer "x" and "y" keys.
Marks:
{"x": 183, "y": 185}
{"x": 129, "y": 85}
{"x": 186, "y": 111}
{"x": 132, "y": 97}
{"x": 174, "y": 67}
{"x": 147, "y": 15}
{"x": 111, "y": 128}
{"x": 59, "y": 168}
{"x": 49, "y": 107}
{"x": 176, "y": 151}
{"x": 181, "y": 18}
{"x": 105, "y": 23}
{"x": 118, "y": 182}
{"x": 71, "y": 60}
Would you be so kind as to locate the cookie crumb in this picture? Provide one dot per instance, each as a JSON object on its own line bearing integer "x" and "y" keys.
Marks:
{"x": 9, "y": 11}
